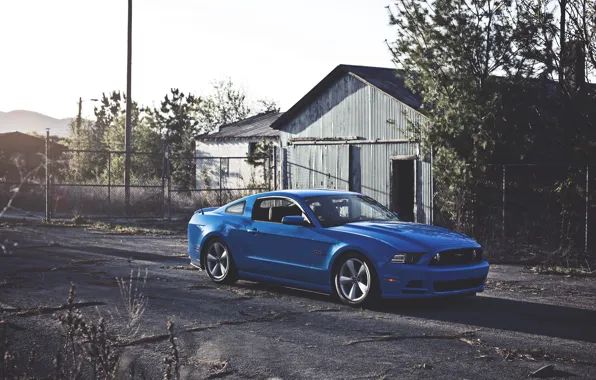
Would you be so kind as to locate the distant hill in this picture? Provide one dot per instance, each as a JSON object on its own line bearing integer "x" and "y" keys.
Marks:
{"x": 29, "y": 121}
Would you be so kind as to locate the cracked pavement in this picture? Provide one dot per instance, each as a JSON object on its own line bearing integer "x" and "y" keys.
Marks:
{"x": 522, "y": 322}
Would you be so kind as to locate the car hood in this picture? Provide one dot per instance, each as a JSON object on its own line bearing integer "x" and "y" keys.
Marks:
{"x": 411, "y": 237}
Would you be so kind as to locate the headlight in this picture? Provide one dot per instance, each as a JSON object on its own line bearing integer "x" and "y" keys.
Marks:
{"x": 407, "y": 258}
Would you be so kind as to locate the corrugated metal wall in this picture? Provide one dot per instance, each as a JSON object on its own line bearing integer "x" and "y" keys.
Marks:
{"x": 375, "y": 162}
{"x": 365, "y": 168}
{"x": 425, "y": 195}
{"x": 352, "y": 108}
{"x": 318, "y": 166}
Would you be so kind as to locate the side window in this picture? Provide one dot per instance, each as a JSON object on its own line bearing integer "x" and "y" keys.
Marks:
{"x": 237, "y": 208}
{"x": 274, "y": 209}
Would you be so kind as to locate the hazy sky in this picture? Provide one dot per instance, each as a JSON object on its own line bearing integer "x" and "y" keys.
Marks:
{"x": 52, "y": 52}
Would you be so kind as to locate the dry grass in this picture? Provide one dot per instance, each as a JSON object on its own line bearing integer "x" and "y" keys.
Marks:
{"x": 135, "y": 302}
{"x": 149, "y": 227}
{"x": 92, "y": 347}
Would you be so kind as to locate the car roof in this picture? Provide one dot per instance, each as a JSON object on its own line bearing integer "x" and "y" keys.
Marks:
{"x": 305, "y": 193}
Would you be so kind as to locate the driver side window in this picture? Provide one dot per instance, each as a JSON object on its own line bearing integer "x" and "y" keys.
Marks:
{"x": 273, "y": 210}
{"x": 335, "y": 209}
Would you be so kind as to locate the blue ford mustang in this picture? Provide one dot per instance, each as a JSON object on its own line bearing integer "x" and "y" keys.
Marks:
{"x": 336, "y": 242}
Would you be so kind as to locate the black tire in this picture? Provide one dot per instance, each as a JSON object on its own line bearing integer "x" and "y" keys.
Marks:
{"x": 363, "y": 273}
{"x": 219, "y": 263}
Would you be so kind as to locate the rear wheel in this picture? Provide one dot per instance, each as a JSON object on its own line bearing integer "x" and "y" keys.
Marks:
{"x": 219, "y": 262}
{"x": 355, "y": 281}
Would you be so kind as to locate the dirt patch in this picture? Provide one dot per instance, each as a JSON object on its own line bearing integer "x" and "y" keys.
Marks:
{"x": 564, "y": 271}
{"x": 540, "y": 288}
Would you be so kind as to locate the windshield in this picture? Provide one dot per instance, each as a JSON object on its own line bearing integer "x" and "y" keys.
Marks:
{"x": 335, "y": 210}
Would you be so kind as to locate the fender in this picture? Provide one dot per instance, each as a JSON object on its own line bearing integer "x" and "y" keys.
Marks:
{"x": 199, "y": 248}
{"x": 354, "y": 248}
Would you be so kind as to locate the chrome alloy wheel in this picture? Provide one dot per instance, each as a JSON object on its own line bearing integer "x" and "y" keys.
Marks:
{"x": 218, "y": 262}
{"x": 354, "y": 279}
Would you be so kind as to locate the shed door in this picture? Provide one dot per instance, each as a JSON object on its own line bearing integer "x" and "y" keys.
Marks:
{"x": 318, "y": 167}
{"x": 403, "y": 188}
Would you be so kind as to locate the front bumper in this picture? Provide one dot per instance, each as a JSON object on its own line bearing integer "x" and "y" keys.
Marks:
{"x": 423, "y": 281}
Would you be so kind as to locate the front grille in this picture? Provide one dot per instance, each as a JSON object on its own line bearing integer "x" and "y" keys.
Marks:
{"x": 452, "y": 285}
{"x": 457, "y": 257}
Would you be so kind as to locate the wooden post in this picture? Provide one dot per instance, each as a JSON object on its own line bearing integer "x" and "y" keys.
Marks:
{"x": 128, "y": 125}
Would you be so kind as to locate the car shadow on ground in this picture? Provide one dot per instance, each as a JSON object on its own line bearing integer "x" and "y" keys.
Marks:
{"x": 481, "y": 311}
{"x": 501, "y": 313}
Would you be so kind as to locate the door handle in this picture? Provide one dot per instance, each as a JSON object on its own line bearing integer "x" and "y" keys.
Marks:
{"x": 253, "y": 230}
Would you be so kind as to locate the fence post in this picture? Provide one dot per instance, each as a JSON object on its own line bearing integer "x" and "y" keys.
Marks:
{"x": 587, "y": 208}
{"x": 109, "y": 184}
{"x": 48, "y": 192}
{"x": 169, "y": 164}
{"x": 275, "y": 168}
{"x": 432, "y": 189}
{"x": 163, "y": 180}
{"x": 269, "y": 174}
{"x": 503, "y": 205}
{"x": 220, "y": 195}
{"x": 284, "y": 168}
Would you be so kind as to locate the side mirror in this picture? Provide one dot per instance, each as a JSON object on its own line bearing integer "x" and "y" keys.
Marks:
{"x": 294, "y": 220}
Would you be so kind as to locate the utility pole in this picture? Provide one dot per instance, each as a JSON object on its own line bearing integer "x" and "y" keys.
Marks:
{"x": 128, "y": 114}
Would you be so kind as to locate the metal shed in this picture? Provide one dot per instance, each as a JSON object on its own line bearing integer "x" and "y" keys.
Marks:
{"x": 221, "y": 154}
{"x": 351, "y": 132}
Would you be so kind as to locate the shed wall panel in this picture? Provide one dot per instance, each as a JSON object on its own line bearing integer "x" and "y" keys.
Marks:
{"x": 318, "y": 166}
{"x": 375, "y": 172}
{"x": 350, "y": 107}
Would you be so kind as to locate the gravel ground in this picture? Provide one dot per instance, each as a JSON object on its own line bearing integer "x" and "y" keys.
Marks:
{"x": 522, "y": 322}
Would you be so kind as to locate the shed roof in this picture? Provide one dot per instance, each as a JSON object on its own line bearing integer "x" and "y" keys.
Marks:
{"x": 18, "y": 141}
{"x": 254, "y": 126}
{"x": 385, "y": 79}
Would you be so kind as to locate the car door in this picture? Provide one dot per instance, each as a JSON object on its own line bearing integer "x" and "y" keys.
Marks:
{"x": 281, "y": 250}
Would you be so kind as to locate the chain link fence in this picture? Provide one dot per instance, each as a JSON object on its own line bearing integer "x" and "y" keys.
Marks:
{"x": 90, "y": 184}
{"x": 546, "y": 207}
{"x": 211, "y": 181}
{"x": 552, "y": 207}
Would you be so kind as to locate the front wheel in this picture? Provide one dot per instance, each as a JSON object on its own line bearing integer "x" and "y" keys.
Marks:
{"x": 219, "y": 262}
{"x": 355, "y": 281}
